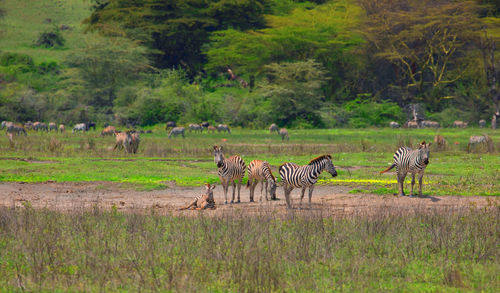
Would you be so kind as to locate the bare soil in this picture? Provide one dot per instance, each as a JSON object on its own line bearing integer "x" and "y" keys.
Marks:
{"x": 328, "y": 200}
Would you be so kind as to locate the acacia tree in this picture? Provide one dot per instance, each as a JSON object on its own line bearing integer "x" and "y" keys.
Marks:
{"x": 425, "y": 41}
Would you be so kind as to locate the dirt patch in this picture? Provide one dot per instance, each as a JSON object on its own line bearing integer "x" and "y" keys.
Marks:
{"x": 330, "y": 200}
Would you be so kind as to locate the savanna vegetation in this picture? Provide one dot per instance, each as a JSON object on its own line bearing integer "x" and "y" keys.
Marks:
{"x": 300, "y": 64}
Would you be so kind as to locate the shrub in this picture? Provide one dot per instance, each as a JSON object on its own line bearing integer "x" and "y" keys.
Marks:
{"x": 365, "y": 113}
{"x": 50, "y": 39}
{"x": 8, "y": 59}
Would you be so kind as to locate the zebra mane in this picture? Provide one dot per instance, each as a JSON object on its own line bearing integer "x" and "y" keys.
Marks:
{"x": 320, "y": 158}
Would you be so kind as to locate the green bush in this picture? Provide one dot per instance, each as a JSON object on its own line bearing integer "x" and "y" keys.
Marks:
{"x": 363, "y": 113}
{"x": 8, "y": 59}
{"x": 50, "y": 39}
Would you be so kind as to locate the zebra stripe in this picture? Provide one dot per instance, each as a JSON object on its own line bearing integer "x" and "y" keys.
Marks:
{"x": 229, "y": 171}
{"x": 261, "y": 171}
{"x": 407, "y": 160}
{"x": 295, "y": 176}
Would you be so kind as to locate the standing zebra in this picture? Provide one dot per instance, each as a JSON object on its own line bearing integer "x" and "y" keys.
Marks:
{"x": 223, "y": 128}
{"x": 284, "y": 134}
{"x": 229, "y": 171}
{"x": 295, "y": 176}
{"x": 203, "y": 201}
{"x": 195, "y": 127}
{"x": 273, "y": 128}
{"x": 407, "y": 160}
{"x": 176, "y": 131}
{"x": 261, "y": 171}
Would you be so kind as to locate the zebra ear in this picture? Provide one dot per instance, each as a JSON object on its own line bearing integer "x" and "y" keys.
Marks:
{"x": 213, "y": 187}
{"x": 215, "y": 147}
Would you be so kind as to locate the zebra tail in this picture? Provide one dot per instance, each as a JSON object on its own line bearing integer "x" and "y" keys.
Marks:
{"x": 386, "y": 170}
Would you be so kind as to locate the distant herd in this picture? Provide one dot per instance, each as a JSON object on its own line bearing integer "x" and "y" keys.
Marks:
{"x": 433, "y": 124}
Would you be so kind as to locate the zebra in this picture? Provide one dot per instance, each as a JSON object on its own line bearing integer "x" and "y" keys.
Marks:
{"x": 16, "y": 128}
{"x": 6, "y": 124}
{"x": 203, "y": 201}
{"x": 62, "y": 128}
{"x": 460, "y": 124}
{"x": 482, "y": 123}
{"x": 295, "y": 176}
{"x": 79, "y": 127}
{"x": 430, "y": 124}
{"x": 134, "y": 142}
{"x": 261, "y": 171}
{"x": 40, "y": 126}
{"x": 273, "y": 128}
{"x": 123, "y": 140}
{"x": 407, "y": 160}
{"x": 170, "y": 124}
{"x": 284, "y": 134}
{"x": 176, "y": 131}
{"x": 223, "y": 128}
{"x": 412, "y": 124}
{"x": 211, "y": 129}
{"x": 393, "y": 124}
{"x": 483, "y": 140}
{"x": 195, "y": 127}
{"x": 229, "y": 171}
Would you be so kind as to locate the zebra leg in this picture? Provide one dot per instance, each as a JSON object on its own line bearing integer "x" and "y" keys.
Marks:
{"x": 225, "y": 186}
{"x": 401, "y": 182}
{"x": 239, "y": 187}
{"x": 287, "y": 189}
{"x": 311, "y": 188}
{"x": 234, "y": 190}
{"x": 262, "y": 187}
{"x": 302, "y": 196}
{"x": 420, "y": 177}
{"x": 412, "y": 184}
{"x": 267, "y": 183}
{"x": 252, "y": 190}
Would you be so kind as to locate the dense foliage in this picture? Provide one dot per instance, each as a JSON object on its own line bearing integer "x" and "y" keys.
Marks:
{"x": 254, "y": 62}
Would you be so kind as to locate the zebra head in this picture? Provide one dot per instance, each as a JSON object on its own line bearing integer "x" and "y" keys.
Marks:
{"x": 218, "y": 156}
{"x": 272, "y": 188}
{"x": 210, "y": 190}
{"x": 424, "y": 152}
{"x": 329, "y": 166}
{"x": 322, "y": 163}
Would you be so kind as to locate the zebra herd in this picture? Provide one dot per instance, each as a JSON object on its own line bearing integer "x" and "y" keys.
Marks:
{"x": 196, "y": 128}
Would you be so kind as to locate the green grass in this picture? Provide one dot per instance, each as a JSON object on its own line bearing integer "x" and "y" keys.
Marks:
{"x": 359, "y": 154}
{"x": 92, "y": 251}
{"x": 24, "y": 21}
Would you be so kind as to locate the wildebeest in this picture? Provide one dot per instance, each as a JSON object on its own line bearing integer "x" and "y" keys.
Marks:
{"x": 440, "y": 142}
{"x": 460, "y": 124}
{"x": 223, "y": 128}
{"x": 394, "y": 124}
{"x": 430, "y": 124}
{"x": 273, "y": 127}
{"x": 89, "y": 125}
{"x": 170, "y": 124}
{"x": 211, "y": 129}
{"x": 195, "y": 127}
{"x": 284, "y": 134}
{"x": 40, "y": 126}
{"x": 16, "y": 129}
{"x": 480, "y": 141}
{"x": 52, "y": 126}
{"x": 176, "y": 131}
{"x": 79, "y": 127}
{"x": 62, "y": 128}
{"x": 482, "y": 123}
{"x": 205, "y": 124}
{"x": 110, "y": 130}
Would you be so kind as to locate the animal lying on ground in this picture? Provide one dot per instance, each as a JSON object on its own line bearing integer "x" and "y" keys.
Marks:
{"x": 203, "y": 201}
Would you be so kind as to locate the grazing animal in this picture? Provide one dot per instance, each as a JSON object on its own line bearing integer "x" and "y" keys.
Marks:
{"x": 62, "y": 128}
{"x": 482, "y": 123}
{"x": 430, "y": 124}
{"x": 11, "y": 139}
{"x": 110, "y": 130}
{"x": 295, "y": 176}
{"x": 478, "y": 141}
{"x": 223, "y": 128}
{"x": 135, "y": 141}
{"x": 229, "y": 170}
{"x": 195, "y": 128}
{"x": 412, "y": 124}
{"x": 460, "y": 124}
{"x": 407, "y": 160}
{"x": 176, "y": 131}
{"x": 205, "y": 124}
{"x": 261, "y": 171}
{"x": 5, "y": 124}
{"x": 170, "y": 124}
{"x": 211, "y": 129}
{"x": 440, "y": 142}
{"x": 393, "y": 124}
{"x": 89, "y": 125}
{"x": 79, "y": 127}
{"x": 40, "y": 126}
{"x": 28, "y": 125}
{"x": 16, "y": 129}
{"x": 284, "y": 134}
{"x": 52, "y": 126}
{"x": 273, "y": 128}
{"x": 123, "y": 140}
{"x": 203, "y": 201}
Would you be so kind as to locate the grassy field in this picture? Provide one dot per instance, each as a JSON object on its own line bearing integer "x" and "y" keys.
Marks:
{"x": 359, "y": 155}
{"x": 92, "y": 251}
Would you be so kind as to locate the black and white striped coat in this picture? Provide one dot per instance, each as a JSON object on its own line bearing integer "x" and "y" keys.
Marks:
{"x": 230, "y": 171}
{"x": 295, "y": 176}
{"x": 407, "y": 160}
{"x": 259, "y": 170}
